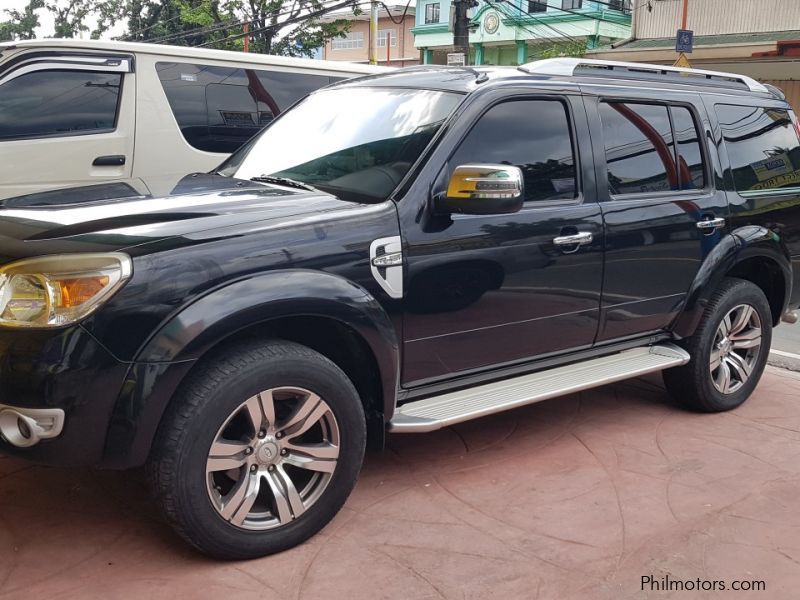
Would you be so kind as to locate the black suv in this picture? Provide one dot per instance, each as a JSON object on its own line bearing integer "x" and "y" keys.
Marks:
{"x": 401, "y": 253}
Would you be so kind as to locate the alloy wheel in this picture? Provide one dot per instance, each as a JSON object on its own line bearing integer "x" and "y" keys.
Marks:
{"x": 736, "y": 349}
{"x": 272, "y": 458}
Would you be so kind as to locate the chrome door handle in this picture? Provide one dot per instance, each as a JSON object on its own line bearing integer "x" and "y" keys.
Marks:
{"x": 579, "y": 239}
{"x": 711, "y": 224}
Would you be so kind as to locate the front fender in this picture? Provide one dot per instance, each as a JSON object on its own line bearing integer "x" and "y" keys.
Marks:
{"x": 170, "y": 353}
{"x": 746, "y": 242}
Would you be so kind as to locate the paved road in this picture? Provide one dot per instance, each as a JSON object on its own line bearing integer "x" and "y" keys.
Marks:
{"x": 786, "y": 347}
{"x": 572, "y": 499}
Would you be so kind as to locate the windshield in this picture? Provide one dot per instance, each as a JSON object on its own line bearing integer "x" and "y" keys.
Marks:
{"x": 357, "y": 141}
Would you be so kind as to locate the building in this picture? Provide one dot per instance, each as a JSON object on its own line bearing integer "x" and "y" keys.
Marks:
{"x": 395, "y": 40}
{"x": 760, "y": 39}
{"x": 511, "y": 32}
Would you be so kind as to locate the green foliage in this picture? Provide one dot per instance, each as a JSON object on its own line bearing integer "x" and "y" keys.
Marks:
{"x": 21, "y": 25}
{"x": 288, "y": 27}
{"x": 291, "y": 28}
{"x": 575, "y": 48}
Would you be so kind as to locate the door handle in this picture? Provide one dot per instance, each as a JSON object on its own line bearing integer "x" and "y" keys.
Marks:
{"x": 115, "y": 160}
{"x": 578, "y": 239}
{"x": 709, "y": 225}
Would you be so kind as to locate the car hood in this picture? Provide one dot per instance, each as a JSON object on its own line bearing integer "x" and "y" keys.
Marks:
{"x": 65, "y": 221}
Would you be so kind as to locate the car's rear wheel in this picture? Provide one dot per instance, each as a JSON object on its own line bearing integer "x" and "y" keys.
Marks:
{"x": 729, "y": 350}
{"x": 259, "y": 450}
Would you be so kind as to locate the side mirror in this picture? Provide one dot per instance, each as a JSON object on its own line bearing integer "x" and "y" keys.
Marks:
{"x": 484, "y": 190}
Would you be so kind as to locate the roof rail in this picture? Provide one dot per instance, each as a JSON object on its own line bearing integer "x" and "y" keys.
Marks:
{"x": 569, "y": 67}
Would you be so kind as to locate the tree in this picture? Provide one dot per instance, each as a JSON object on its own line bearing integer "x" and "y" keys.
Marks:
{"x": 278, "y": 26}
{"x": 21, "y": 24}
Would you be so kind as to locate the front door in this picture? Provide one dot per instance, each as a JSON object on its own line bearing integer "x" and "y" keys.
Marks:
{"x": 489, "y": 290}
{"x": 65, "y": 121}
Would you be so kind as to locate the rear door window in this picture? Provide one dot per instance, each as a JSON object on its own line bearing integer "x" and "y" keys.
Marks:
{"x": 762, "y": 147}
{"x": 59, "y": 103}
{"x": 641, "y": 151}
{"x": 219, "y": 108}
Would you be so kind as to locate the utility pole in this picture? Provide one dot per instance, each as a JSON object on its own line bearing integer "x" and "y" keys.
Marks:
{"x": 461, "y": 26}
{"x": 373, "y": 33}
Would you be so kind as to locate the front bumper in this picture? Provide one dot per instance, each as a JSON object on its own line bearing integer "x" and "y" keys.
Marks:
{"x": 66, "y": 383}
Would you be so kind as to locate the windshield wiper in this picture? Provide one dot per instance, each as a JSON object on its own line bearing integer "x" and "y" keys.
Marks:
{"x": 285, "y": 181}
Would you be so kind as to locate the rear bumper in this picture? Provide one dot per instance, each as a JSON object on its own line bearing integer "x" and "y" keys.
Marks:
{"x": 67, "y": 380}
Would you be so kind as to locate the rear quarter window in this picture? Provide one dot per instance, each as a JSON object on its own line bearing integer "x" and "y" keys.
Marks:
{"x": 762, "y": 146}
{"x": 220, "y": 108}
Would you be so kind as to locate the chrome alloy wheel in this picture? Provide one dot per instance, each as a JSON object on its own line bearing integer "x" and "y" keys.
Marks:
{"x": 272, "y": 458}
{"x": 736, "y": 348}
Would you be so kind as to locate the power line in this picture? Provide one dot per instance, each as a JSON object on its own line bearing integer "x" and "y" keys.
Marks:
{"x": 130, "y": 34}
{"x": 558, "y": 32}
{"x": 231, "y": 24}
{"x": 389, "y": 13}
{"x": 318, "y": 12}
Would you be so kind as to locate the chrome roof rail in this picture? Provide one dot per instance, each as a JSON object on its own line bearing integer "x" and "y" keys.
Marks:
{"x": 568, "y": 67}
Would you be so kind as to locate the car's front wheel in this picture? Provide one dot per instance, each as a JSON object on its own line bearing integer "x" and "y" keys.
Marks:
{"x": 729, "y": 350}
{"x": 259, "y": 451}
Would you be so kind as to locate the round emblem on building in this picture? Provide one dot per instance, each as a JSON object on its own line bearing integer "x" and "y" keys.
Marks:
{"x": 491, "y": 22}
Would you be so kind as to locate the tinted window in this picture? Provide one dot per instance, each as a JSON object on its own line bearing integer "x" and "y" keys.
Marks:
{"x": 46, "y": 103}
{"x": 531, "y": 134}
{"x": 219, "y": 108}
{"x": 762, "y": 147}
{"x": 639, "y": 151}
{"x": 690, "y": 158}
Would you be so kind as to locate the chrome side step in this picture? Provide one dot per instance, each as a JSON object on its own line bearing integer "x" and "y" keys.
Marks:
{"x": 436, "y": 412}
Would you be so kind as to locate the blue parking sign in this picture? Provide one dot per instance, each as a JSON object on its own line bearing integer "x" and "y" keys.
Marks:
{"x": 685, "y": 41}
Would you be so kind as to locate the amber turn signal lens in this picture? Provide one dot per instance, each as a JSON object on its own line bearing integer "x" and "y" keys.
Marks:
{"x": 75, "y": 292}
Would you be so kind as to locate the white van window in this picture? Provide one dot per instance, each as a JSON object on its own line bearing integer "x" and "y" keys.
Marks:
{"x": 220, "y": 108}
{"x": 59, "y": 103}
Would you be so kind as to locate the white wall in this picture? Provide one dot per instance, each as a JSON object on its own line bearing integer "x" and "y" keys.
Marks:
{"x": 710, "y": 17}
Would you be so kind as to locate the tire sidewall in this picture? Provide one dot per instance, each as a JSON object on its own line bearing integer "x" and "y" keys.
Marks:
{"x": 196, "y": 510}
{"x": 742, "y": 293}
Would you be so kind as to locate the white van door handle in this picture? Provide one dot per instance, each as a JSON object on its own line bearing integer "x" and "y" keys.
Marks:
{"x": 116, "y": 160}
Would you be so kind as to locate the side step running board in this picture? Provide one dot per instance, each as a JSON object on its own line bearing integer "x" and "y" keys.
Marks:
{"x": 436, "y": 412}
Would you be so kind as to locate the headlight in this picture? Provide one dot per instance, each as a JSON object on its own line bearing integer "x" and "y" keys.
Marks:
{"x": 51, "y": 291}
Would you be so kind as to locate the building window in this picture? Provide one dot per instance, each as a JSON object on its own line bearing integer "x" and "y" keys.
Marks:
{"x": 352, "y": 40}
{"x": 571, "y": 4}
{"x": 537, "y": 6}
{"x": 432, "y": 13}
{"x": 620, "y": 5}
{"x": 383, "y": 34}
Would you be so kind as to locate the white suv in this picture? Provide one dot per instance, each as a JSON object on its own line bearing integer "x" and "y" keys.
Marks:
{"x": 140, "y": 116}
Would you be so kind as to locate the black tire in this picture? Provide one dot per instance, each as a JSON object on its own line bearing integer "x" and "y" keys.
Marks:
{"x": 204, "y": 405}
{"x": 692, "y": 385}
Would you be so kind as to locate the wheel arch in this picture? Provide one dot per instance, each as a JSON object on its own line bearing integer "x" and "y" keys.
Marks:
{"x": 752, "y": 253}
{"x": 333, "y": 316}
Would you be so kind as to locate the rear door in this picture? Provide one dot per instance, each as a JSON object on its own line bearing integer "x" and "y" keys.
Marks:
{"x": 662, "y": 213}
{"x": 64, "y": 121}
